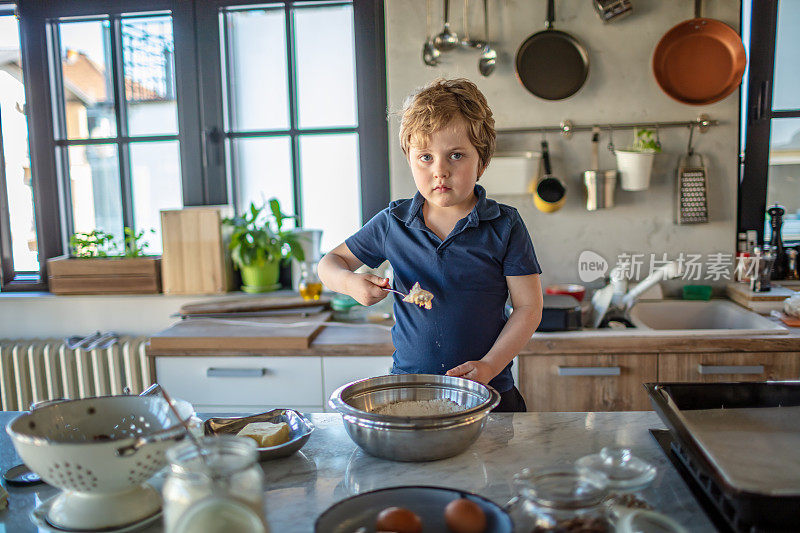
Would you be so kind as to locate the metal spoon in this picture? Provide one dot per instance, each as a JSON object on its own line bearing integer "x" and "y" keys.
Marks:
{"x": 488, "y": 59}
{"x": 430, "y": 54}
{"x": 466, "y": 42}
{"x": 447, "y": 40}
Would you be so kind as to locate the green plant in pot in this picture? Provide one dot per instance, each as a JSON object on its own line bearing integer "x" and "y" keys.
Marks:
{"x": 635, "y": 163}
{"x": 259, "y": 244}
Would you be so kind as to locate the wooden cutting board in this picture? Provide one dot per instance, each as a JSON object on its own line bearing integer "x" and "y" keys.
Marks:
{"x": 239, "y": 304}
{"x": 255, "y": 334}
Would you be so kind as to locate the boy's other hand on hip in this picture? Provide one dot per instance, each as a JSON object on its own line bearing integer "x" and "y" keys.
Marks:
{"x": 366, "y": 288}
{"x": 475, "y": 370}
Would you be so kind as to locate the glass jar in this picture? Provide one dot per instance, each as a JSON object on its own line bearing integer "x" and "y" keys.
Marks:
{"x": 560, "y": 499}
{"x": 220, "y": 492}
{"x": 627, "y": 475}
{"x": 310, "y": 286}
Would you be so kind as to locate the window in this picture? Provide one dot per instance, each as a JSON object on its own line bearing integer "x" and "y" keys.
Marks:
{"x": 134, "y": 107}
{"x": 116, "y": 122}
{"x": 291, "y": 124}
{"x": 18, "y": 223}
{"x": 771, "y": 116}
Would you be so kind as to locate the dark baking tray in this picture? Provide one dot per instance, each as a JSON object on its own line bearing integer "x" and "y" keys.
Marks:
{"x": 744, "y": 510}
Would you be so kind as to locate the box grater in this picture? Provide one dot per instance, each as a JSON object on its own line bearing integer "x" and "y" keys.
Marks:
{"x": 691, "y": 206}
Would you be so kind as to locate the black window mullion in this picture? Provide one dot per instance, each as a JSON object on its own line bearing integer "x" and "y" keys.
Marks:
{"x": 58, "y": 103}
{"x": 187, "y": 90}
{"x": 121, "y": 115}
{"x": 210, "y": 107}
{"x": 373, "y": 134}
{"x": 785, "y": 113}
{"x": 7, "y": 271}
{"x": 752, "y": 197}
{"x": 48, "y": 199}
{"x": 291, "y": 64}
{"x": 229, "y": 117}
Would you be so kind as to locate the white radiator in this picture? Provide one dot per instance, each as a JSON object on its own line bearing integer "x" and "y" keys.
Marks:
{"x": 32, "y": 370}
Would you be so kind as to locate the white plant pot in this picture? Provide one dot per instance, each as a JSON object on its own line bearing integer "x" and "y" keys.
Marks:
{"x": 635, "y": 169}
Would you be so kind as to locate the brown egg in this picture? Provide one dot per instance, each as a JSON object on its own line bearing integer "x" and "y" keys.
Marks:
{"x": 465, "y": 516}
{"x": 398, "y": 520}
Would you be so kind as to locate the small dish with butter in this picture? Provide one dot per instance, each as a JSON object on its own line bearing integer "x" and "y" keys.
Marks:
{"x": 266, "y": 428}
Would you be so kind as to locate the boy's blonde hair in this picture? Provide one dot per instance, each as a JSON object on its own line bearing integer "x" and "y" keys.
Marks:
{"x": 434, "y": 106}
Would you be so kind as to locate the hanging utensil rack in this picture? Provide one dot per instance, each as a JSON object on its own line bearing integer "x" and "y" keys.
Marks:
{"x": 567, "y": 128}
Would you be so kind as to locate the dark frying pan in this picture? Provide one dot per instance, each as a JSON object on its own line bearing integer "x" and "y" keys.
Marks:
{"x": 700, "y": 61}
{"x": 552, "y": 64}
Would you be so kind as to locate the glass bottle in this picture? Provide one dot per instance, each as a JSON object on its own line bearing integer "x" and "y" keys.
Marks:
{"x": 220, "y": 492}
{"x": 560, "y": 499}
{"x": 310, "y": 286}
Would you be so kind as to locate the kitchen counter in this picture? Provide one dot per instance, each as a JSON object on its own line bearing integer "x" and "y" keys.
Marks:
{"x": 331, "y": 467}
{"x": 343, "y": 339}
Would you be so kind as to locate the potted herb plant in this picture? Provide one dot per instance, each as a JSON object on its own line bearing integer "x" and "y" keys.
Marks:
{"x": 98, "y": 263}
{"x": 635, "y": 163}
{"x": 259, "y": 244}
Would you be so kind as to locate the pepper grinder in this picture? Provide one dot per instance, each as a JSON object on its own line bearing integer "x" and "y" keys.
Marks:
{"x": 781, "y": 265}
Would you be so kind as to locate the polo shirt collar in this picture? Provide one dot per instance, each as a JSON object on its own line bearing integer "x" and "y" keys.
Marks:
{"x": 485, "y": 209}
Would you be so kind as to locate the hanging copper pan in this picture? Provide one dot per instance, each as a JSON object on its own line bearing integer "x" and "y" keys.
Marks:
{"x": 700, "y": 61}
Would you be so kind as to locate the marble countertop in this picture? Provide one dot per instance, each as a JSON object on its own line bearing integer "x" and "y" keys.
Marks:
{"x": 331, "y": 467}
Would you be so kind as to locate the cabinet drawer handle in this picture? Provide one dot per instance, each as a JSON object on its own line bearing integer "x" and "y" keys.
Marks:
{"x": 730, "y": 369}
{"x": 235, "y": 372}
{"x": 589, "y": 371}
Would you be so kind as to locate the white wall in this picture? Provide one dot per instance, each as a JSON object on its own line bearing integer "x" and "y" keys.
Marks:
{"x": 44, "y": 315}
{"x": 620, "y": 88}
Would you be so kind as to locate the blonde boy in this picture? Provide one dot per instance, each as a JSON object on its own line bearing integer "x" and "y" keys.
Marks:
{"x": 468, "y": 250}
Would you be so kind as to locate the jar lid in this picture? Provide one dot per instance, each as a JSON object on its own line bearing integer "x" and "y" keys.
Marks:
{"x": 624, "y": 470}
{"x": 562, "y": 487}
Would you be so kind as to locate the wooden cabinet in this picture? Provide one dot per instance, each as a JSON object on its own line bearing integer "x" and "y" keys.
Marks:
{"x": 716, "y": 367}
{"x": 587, "y": 382}
{"x": 243, "y": 384}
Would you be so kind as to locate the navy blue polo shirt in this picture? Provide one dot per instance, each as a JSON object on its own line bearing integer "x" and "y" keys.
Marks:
{"x": 465, "y": 272}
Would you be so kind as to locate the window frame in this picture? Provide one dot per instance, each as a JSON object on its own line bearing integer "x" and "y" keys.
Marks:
{"x": 754, "y": 179}
{"x": 372, "y": 127}
{"x": 199, "y": 114}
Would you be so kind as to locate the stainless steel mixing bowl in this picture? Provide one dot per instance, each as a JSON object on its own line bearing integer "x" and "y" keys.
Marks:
{"x": 420, "y": 438}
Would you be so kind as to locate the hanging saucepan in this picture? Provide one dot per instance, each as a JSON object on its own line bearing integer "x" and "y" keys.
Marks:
{"x": 550, "y": 192}
{"x": 552, "y": 64}
{"x": 700, "y": 61}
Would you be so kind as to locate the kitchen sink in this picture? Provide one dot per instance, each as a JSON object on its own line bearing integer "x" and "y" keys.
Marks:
{"x": 701, "y": 317}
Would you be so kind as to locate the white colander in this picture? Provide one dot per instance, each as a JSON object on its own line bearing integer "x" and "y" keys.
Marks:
{"x": 99, "y": 451}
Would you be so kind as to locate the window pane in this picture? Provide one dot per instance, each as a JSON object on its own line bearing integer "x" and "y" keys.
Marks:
{"x": 87, "y": 90}
{"x": 156, "y": 176}
{"x": 783, "y": 185}
{"x": 257, "y": 71}
{"x": 264, "y": 170}
{"x": 331, "y": 186}
{"x": 149, "y": 67}
{"x": 326, "y": 79}
{"x": 15, "y": 149}
{"x": 94, "y": 184}
{"x": 787, "y": 67}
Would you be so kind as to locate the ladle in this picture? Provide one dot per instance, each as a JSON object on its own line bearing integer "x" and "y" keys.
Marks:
{"x": 447, "y": 40}
{"x": 466, "y": 42}
{"x": 488, "y": 59}
{"x": 430, "y": 54}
